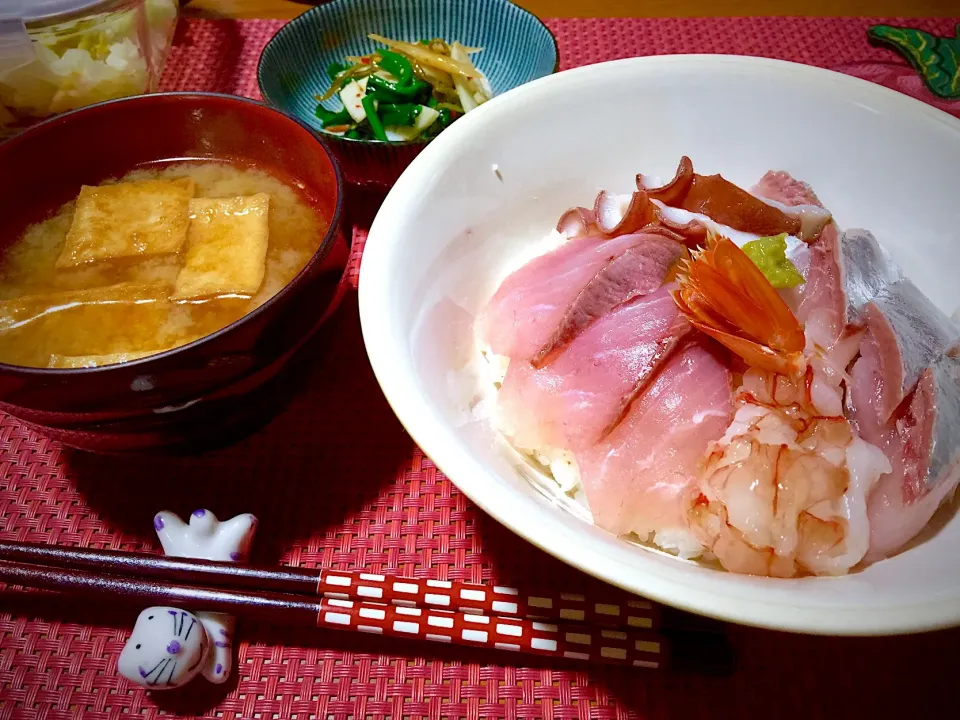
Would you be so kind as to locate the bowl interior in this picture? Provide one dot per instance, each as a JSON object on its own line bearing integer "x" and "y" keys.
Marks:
{"x": 492, "y": 185}
{"x": 517, "y": 47}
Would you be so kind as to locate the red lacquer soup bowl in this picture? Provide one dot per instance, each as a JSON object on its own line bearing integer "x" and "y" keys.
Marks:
{"x": 202, "y": 389}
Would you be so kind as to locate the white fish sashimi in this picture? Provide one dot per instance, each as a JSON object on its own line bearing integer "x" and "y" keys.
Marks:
{"x": 921, "y": 441}
{"x": 910, "y": 332}
{"x": 866, "y": 268}
{"x": 945, "y": 439}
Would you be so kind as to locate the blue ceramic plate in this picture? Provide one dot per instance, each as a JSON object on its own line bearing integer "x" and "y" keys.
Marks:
{"x": 517, "y": 48}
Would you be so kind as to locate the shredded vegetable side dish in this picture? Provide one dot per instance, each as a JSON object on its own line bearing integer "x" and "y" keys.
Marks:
{"x": 404, "y": 92}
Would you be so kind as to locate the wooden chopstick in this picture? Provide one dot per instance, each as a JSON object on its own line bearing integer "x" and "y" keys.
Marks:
{"x": 146, "y": 565}
{"x": 614, "y": 609}
{"x": 520, "y": 635}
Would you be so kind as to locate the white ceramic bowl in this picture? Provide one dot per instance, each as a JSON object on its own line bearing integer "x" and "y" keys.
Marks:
{"x": 448, "y": 228}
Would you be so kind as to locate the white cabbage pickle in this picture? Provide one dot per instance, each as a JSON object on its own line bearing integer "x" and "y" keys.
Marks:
{"x": 86, "y": 60}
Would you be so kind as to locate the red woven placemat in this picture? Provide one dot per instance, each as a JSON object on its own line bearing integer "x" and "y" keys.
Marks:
{"x": 337, "y": 483}
{"x": 221, "y": 56}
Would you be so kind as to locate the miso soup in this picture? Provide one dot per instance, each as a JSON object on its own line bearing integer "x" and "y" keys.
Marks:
{"x": 151, "y": 261}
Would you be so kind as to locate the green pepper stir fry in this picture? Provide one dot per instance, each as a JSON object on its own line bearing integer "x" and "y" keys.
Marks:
{"x": 409, "y": 91}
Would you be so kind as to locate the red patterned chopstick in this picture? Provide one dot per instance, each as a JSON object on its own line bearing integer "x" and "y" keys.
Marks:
{"x": 611, "y": 609}
{"x": 521, "y": 635}
{"x": 621, "y": 610}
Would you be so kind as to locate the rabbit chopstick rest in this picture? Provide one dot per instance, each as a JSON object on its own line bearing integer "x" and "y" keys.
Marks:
{"x": 169, "y": 646}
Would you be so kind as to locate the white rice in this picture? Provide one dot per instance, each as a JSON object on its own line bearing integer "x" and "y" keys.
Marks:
{"x": 561, "y": 463}
{"x": 679, "y": 541}
{"x": 563, "y": 467}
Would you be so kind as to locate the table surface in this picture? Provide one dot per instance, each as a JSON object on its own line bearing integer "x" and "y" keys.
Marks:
{"x": 628, "y": 8}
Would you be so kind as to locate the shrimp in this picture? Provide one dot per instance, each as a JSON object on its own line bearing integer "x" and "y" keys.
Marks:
{"x": 727, "y": 297}
{"x": 783, "y": 492}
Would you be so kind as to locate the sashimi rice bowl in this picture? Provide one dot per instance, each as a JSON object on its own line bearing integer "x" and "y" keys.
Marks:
{"x": 726, "y": 375}
{"x": 702, "y": 354}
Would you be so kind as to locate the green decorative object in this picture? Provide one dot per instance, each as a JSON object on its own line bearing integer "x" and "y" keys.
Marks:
{"x": 937, "y": 59}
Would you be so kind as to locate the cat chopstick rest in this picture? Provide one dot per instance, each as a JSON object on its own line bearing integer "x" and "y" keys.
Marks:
{"x": 154, "y": 645}
{"x": 165, "y": 650}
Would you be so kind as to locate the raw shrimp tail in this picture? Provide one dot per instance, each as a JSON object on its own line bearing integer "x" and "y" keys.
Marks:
{"x": 726, "y": 296}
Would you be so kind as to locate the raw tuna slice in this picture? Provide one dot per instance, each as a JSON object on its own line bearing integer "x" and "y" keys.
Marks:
{"x": 909, "y": 332}
{"x": 638, "y": 271}
{"x": 867, "y": 269}
{"x": 642, "y": 478}
{"x": 921, "y": 443}
{"x": 530, "y": 303}
{"x": 569, "y": 403}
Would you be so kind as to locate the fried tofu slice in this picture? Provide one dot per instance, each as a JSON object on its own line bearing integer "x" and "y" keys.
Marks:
{"x": 226, "y": 247}
{"x": 88, "y": 361}
{"x": 129, "y": 219}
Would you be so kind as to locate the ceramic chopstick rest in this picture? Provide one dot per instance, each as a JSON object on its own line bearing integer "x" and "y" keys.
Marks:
{"x": 165, "y": 650}
{"x": 208, "y": 539}
{"x": 169, "y": 646}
